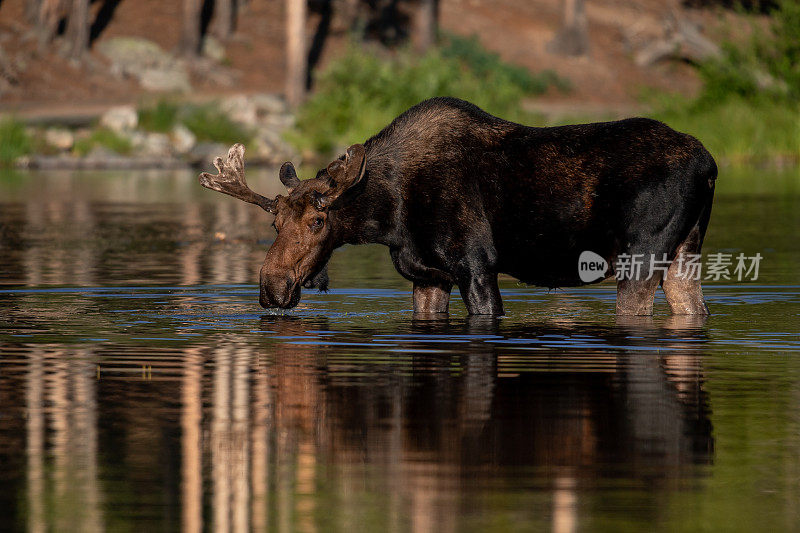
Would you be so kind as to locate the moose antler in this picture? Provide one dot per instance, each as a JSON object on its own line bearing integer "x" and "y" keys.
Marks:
{"x": 230, "y": 180}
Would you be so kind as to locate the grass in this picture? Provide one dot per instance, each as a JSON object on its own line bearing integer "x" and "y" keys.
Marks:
{"x": 471, "y": 53}
{"x": 361, "y": 92}
{"x": 765, "y": 65}
{"x": 14, "y": 141}
{"x": 738, "y": 130}
{"x": 161, "y": 118}
{"x": 748, "y": 110}
{"x": 105, "y": 138}
{"x": 207, "y": 122}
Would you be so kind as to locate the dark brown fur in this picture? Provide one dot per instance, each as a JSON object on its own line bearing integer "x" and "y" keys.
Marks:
{"x": 458, "y": 196}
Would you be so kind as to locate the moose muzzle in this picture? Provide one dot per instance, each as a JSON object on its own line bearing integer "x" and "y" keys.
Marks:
{"x": 277, "y": 290}
{"x": 280, "y": 290}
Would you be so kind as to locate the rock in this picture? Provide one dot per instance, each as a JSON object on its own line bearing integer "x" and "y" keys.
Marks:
{"x": 120, "y": 119}
{"x": 204, "y": 153}
{"x": 240, "y": 109}
{"x": 129, "y": 54}
{"x": 156, "y": 144}
{"x": 166, "y": 80}
{"x": 269, "y": 145}
{"x": 278, "y": 122}
{"x": 214, "y": 73}
{"x": 270, "y": 104}
{"x": 137, "y": 139}
{"x": 150, "y": 144}
{"x": 25, "y": 162}
{"x": 147, "y": 62}
{"x": 59, "y": 138}
{"x": 213, "y": 49}
{"x": 101, "y": 159}
{"x": 101, "y": 153}
{"x": 183, "y": 140}
{"x": 264, "y": 149}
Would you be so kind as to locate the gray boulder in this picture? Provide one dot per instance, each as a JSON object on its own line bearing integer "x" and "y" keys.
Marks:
{"x": 240, "y": 109}
{"x": 213, "y": 49}
{"x": 59, "y": 138}
{"x": 120, "y": 119}
{"x": 147, "y": 62}
{"x": 183, "y": 140}
{"x": 204, "y": 153}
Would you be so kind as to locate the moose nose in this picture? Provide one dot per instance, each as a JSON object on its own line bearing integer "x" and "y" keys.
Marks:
{"x": 276, "y": 291}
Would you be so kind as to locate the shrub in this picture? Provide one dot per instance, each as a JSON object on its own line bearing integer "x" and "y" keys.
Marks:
{"x": 740, "y": 130}
{"x": 484, "y": 62}
{"x": 105, "y": 138}
{"x": 766, "y": 66}
{"x": 209, "y": 123}
{"x": 161, "y": 118}
{"x": 359, "y": 93}
{"x": 14, "y": 141}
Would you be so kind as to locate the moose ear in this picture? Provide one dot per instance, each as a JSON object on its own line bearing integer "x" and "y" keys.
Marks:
{"x": 288, "y": 176}
{"x": 346, "y": 173}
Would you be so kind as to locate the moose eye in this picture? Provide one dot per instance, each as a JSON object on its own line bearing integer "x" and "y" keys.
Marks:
{"x": 317, "y": 223}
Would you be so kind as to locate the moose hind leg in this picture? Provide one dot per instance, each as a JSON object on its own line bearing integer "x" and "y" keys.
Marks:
{"x": 431, "y": 298}
{"x": 635, "y": 296}
{"x": 681, "y": 285}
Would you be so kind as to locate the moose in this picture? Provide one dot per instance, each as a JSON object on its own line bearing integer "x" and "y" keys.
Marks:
{"x": 460, "y": 196}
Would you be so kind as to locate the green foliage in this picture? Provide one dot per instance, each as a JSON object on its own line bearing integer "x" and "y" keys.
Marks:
{"x": 14, "y": 141}
{"x": 740, "y": 130}
{"x": 767, "y": 66}
{"x": 485, "y": 63}
{"x": 209, "y": 123}
{"x": 749, "y": 108}
{"x": 782, "y": 55}
{"x": 105, "y": 138}
{"x": 161, "y": 118}
{"x": 360, "y": 93}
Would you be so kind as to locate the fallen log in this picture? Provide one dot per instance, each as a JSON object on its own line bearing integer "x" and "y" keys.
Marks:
{"x": 683, "y": 41}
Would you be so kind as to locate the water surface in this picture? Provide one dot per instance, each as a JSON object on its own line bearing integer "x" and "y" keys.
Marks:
{"x": 143, "y": 388}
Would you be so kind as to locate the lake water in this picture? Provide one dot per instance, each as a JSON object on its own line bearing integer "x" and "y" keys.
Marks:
{"x": 143, "y": 388}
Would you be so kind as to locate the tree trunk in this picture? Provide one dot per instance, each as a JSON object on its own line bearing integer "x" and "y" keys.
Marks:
{"x": 78, "y": 29}
{"x": 32, "y": 10}
{"x": 573, "y": 37}
{"x": 296, "y": 65}
{"x": 425, "y": 25}
{"x": 50, "y": 14}
{"x": 225, "y": 18}
{"x": 190, "y": 27}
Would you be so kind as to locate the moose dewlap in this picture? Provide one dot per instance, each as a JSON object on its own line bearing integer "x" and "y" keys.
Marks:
{"x": 459, "y": 196}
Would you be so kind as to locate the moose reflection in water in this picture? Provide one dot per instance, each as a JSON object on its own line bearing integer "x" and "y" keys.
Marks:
{"x": 310, "y": 430}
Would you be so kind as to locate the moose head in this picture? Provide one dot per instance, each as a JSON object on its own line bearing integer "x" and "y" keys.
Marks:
{"x": 305, "y": 232}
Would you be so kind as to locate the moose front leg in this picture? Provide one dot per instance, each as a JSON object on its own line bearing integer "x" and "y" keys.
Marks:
{"x": 481, "y": 294}
{"x": 431, "y": 298}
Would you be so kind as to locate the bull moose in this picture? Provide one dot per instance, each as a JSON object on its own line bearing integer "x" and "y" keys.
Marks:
{"x": 460, "y": 196}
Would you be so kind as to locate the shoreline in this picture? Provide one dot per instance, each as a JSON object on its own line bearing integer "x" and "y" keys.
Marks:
{"x": 62, "y": 163}
{"x": 145, "y": 162}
